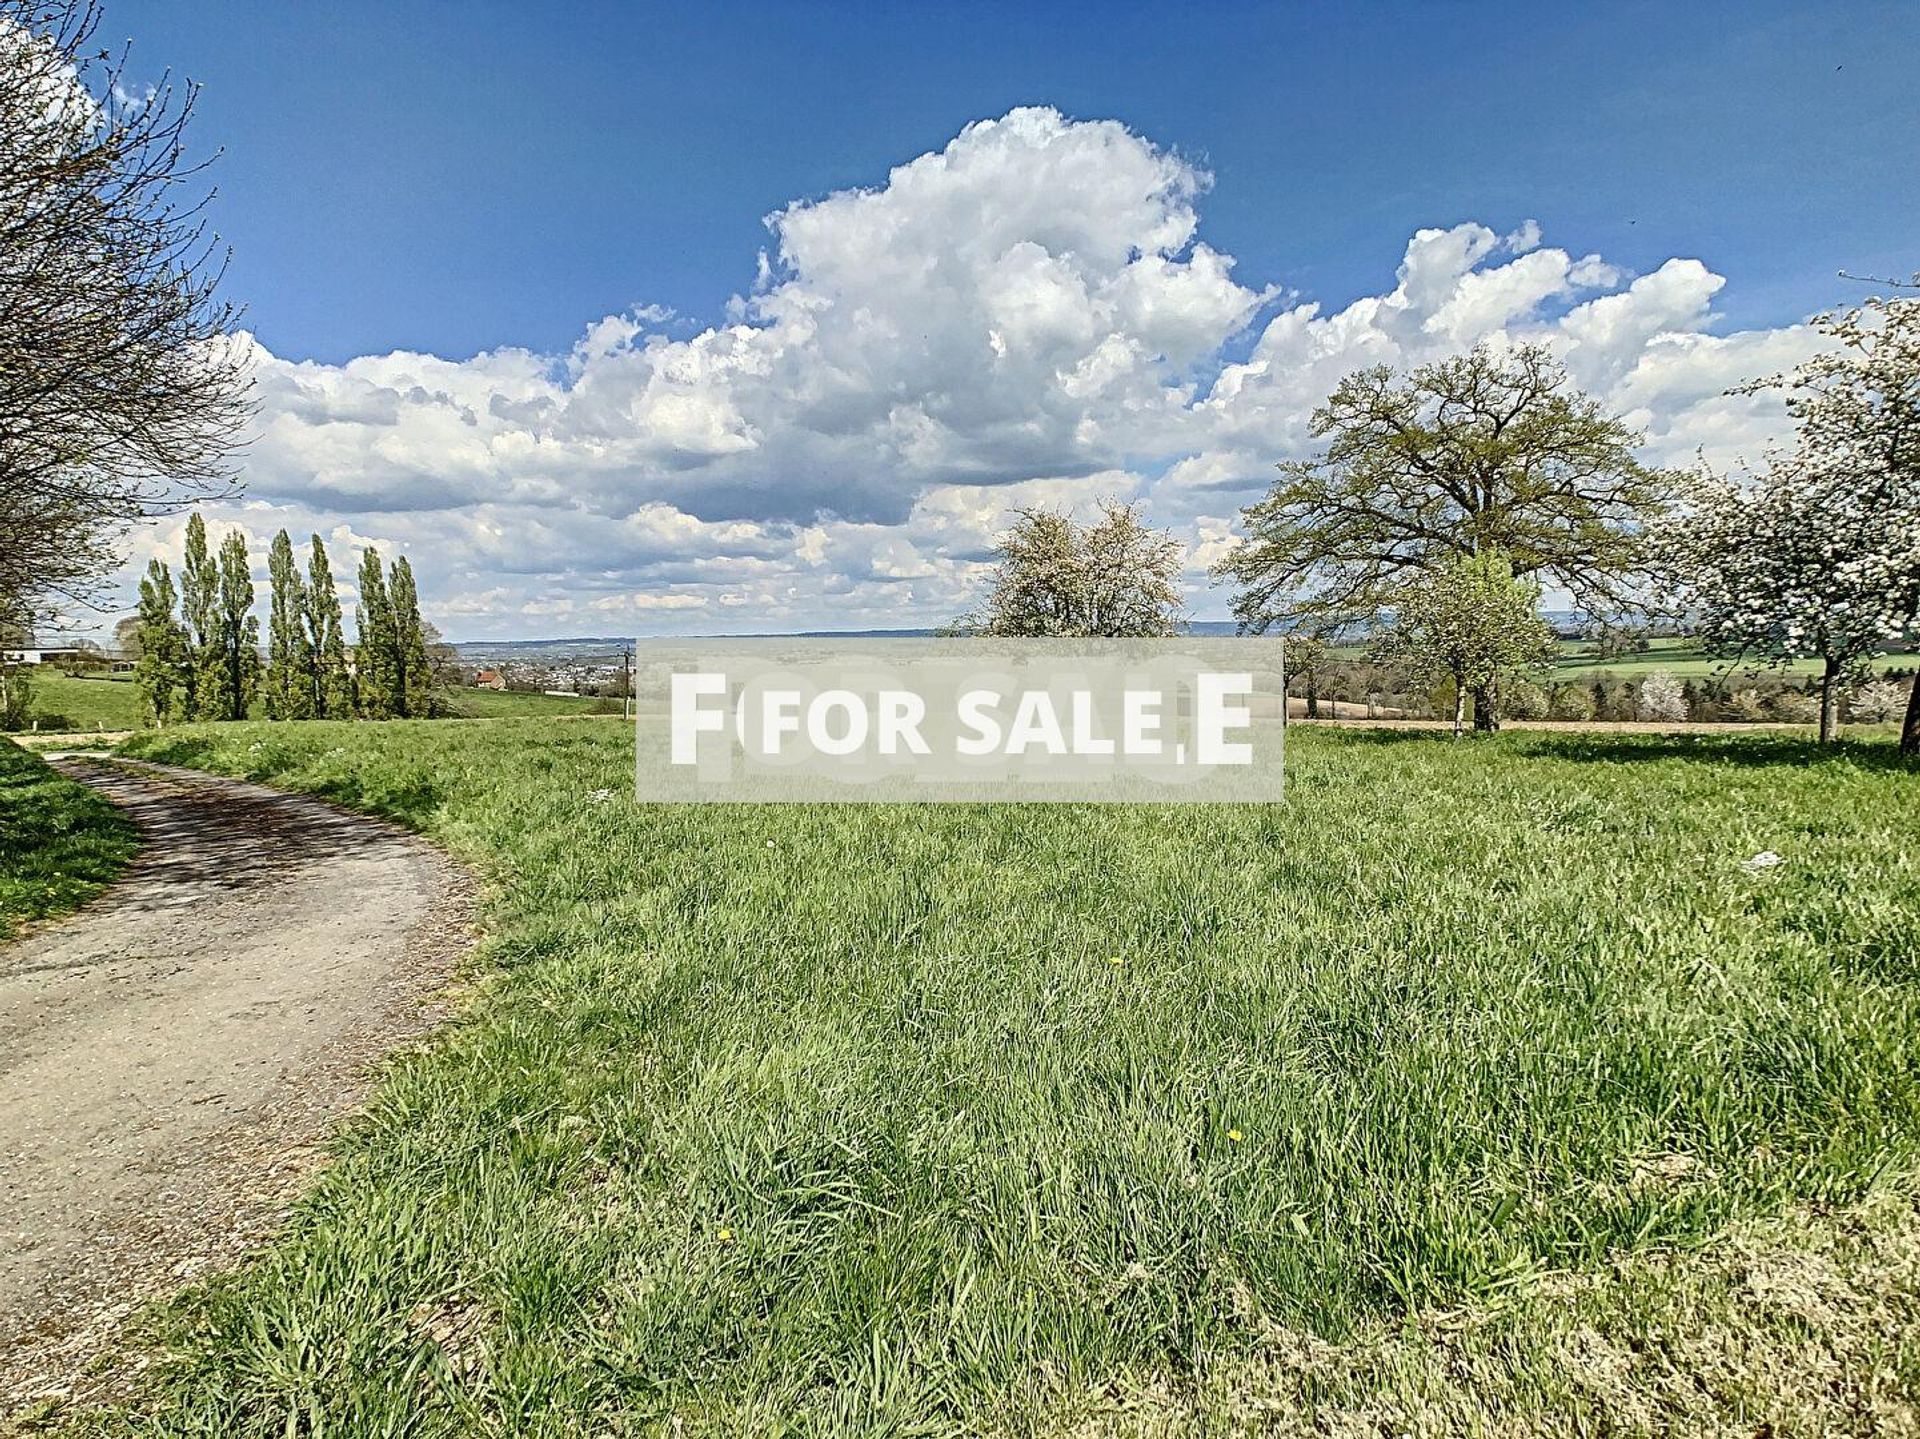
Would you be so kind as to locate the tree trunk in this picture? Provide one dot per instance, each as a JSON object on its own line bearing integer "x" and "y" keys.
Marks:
{"x": 1910, "y": 728}
{"x": 1486, "y": 707}
{"x": 1459, "y": 709}
{"x": 1829, "y": 703}
{"x": 1313, "y": 696}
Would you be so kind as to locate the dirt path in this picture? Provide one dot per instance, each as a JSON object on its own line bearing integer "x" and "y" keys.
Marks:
{"x": 170, "y": 1055}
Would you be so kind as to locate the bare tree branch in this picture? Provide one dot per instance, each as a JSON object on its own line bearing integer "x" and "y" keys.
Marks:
{"x": 123, "y": 389}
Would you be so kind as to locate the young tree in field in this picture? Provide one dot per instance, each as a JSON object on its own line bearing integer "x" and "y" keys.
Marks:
{"x": 162, "y": 671}
{"x": 1800, "y": 566}
{"x": 330, "y": 680}
{"x": 289, "y": 682}
{"x": 199, "y": 614}
{"x": 121, "y": 391}
{"x": 16, "y": 695}
{"x": 1113, "y": 579}
{"x": 1471, "y": 621}
{"x": 1306, "y": 657}
{"x": 1857, "y": 413}
{"x": 443, "y": 660}
{"x": 375, "y": 671}
{"x": 238, "y": 632}
{"x": 1489, "y": 450}
{"x": 411, "y": 679}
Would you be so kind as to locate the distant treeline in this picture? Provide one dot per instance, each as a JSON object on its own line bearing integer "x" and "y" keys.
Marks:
{"x": 1333, "y": 686}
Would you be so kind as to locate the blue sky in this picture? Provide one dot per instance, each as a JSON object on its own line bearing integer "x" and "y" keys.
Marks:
{"x": 456, "y": 178}
{"x": 489, "y": 178}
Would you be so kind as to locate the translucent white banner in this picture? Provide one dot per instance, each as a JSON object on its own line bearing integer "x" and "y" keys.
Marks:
{"x": 1175, "y": 721}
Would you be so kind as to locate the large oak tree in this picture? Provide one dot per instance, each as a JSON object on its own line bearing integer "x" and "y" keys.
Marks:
{"x": 1493, "y": 449}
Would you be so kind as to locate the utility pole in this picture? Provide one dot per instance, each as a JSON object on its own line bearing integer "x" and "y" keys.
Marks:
{"x": 626, "y": 687}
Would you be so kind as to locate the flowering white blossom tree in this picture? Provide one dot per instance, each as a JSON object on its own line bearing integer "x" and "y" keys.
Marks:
{"x": 1857, "y": 407}
{"x": 1820, "y": 559}
{"x": 1879, "y": 702}
{"x": 1802, "y": 566}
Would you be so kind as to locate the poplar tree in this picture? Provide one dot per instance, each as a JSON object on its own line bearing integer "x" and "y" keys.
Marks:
{"x": 330, "y": 681}
{"x": 409, "y": 644}
{"x": 239, "y": 630}
{"x": 374, "y": 653}
{"x": 289, "y": 653}
{"x": 162, "y": 672}
{"x": 199, "y": 605}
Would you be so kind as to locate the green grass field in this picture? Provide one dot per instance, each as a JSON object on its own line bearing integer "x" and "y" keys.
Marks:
{"x": 1681, "y": 658}
{"x": 60, "y": 843}
{"x": 508, "y": 704}
{"x": 61, "y": 702}
{"x": 1434, "y": 1091}
{"x": 114, "y": 704}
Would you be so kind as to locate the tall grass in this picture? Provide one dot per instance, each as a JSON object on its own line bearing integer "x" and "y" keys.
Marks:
{"x": 872, "y": 1120}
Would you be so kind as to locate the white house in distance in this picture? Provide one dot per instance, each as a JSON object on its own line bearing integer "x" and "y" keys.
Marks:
{"x": 39, "y": 654}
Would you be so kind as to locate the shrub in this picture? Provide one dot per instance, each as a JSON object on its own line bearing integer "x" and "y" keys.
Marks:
{"x": 1795, "y": 707}
{"x": 1522, "y": 699}
{"x": 1662, "y": 698}
{"x": 1878, "y": 702}
{"x": 1615, "y": 700}
{"x": 1571, "y": 702}
{"x": 16, "y": 696}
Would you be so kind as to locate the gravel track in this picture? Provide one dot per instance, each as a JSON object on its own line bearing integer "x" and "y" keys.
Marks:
{"x": 172, "y": 1056}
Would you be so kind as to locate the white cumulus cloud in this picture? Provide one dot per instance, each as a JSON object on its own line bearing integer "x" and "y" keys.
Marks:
{"x": 1028, "y": 315}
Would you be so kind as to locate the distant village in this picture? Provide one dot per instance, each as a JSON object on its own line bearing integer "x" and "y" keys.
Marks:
{"x": 599, "y": 675}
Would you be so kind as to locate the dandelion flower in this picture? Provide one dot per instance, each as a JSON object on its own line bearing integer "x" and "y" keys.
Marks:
{"x": 1235, "y": 1135}
{"x": 723, "y": 1234}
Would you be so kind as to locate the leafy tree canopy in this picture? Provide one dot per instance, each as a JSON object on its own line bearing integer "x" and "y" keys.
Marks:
{"x": 1488, "y": 450}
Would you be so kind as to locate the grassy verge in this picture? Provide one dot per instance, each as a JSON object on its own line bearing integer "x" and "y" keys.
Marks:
{"x": 60, "y": 843}
{"x": 1684, "y": 660}
{"x": 867, "y": 1120}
